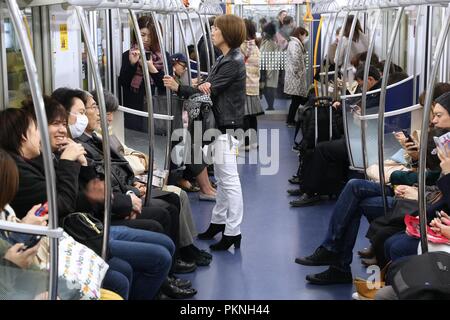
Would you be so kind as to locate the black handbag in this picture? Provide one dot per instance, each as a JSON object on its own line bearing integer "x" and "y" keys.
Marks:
{"x": 86, "y": 229}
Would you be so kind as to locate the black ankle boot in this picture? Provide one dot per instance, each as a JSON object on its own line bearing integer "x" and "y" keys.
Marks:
{"x": 213, "y": 229}
{"x": 226, "y": 242}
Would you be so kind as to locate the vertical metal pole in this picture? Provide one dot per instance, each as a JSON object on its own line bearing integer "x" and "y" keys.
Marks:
{"x": 206, "y": 41}
{"x": 424, "y": 131}
{"x": 194, "y": 39}
{"x": 416, "y": 43}
{"x": 92, "y": 56}
{"x": 327, "y": 59}
{"x": 38, "y": 101}
{"x": 364, "y": 90}
{"x": 338, "y": 52}
{"x": 210, "y": 44}
{"x": 148, "y": 95}
{"x": 382, "y": 107}
{"x": 109, "y": 62}
{"x": 324, "y": 56}
{"x": 168, "y": 93}
{"x": 345, "y": 80}
{"x": 186, "y": 50}
{"x": 47, "y": 50}
{"x": 3, "y": 66}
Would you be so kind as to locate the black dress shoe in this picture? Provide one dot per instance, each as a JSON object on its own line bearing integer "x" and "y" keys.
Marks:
{"x": 305, "y": 200}
{"x": 330, "y": 276}
{"x": 226, "y": 242}
{"x": 367, "y": 253}
{"x": 367, "y": 262}
{"x": 295, "y": 180}
{"x": 294, "y": 192}
{"x": 180, "y": 283}
{"x": 175, "y": 292}
{"x": 320, "y": 257}
{"x": 184, "y": 266}
{"x": 213, "y": 229}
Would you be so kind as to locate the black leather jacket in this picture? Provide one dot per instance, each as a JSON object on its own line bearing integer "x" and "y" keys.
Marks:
{"x": 227, "y": 78}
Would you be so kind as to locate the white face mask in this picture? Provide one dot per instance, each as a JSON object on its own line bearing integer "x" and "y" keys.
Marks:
{"x": 77, "y": 129}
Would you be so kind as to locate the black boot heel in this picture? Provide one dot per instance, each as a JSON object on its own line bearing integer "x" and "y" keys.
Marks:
{"x": 226, "y": 242}
{"x": 213, "y": 229}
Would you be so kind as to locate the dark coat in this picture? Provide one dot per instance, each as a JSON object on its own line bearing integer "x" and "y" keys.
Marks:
{"x": 227, "y": 78}
{"x": 133, "y": 99}
{"x": 32, "y": 188}
{"x": 122, "y": 176}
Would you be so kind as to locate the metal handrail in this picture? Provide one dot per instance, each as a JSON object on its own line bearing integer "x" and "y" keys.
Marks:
{"x": 391, "y": 113}
{"x": 424, "y": 131}
{"x": 383, "y": 104}
{"x": 365, "y": 88}
{"x": 149, "y": 99}
{"x": 92, "y": 56}
{"x": 345, "y": 80}
{"x": 168, "y": 93}
{"x": 39, "y": 106}
{"x": 31, "y": 229}
{"x": 146, "y": 114}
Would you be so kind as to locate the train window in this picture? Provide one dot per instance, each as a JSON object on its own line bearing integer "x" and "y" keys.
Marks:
{"x": 17, "y": 81}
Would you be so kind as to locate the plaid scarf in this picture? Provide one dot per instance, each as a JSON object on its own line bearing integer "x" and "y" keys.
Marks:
{"x": 138, "y": 75}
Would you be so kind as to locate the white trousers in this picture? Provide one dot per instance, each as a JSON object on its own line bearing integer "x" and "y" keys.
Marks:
{"x": 229, "y": 206}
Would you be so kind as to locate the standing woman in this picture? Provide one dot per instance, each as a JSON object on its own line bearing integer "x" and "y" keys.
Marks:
{"x": 269, "y": 78}
{"x": 252, "y": 102}
{"x": 226, "y": 86}
{"x": 295, "y": 76}
{"x": 359, "y": 43}
{"x": 131, "y": 77}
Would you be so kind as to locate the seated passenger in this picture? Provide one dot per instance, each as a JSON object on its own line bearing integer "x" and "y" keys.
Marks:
{"x": 149, "y": 254}
{"x": 188, "y": 251}
{"x": 401, "y": 244}
{"x": 327, "y": 168}
{"x": 359, "y": 197}
{"x": 129, "y": 204}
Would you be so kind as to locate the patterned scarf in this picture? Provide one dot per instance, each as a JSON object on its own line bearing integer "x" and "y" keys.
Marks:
{"x": 138, "y": 75}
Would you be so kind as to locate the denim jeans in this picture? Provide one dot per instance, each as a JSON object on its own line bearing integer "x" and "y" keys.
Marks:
{"x": 400, "y": 245}
{"x": 119, "y": 277}
{"x": 148, "y": 253}
{"x": 359, "y": 197}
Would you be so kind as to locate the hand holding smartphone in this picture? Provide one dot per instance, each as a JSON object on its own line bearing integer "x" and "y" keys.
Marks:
{"x": 34, "y": 240}
{"x": 42, "y": 211}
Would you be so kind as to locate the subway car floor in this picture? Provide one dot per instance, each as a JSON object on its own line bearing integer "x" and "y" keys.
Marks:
{"x": 273, "y": 234}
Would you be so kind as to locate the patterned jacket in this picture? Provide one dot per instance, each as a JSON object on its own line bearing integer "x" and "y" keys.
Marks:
{"x": 295, "y": 76}
{"x": 252, "y": 63}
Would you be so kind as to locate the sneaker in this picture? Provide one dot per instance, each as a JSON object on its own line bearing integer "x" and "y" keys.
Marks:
{"x": 320, "y": 257}
{"x": 330, "y": 276}
{"x": 305, "y": 200}
{"x": 294, "y": 180}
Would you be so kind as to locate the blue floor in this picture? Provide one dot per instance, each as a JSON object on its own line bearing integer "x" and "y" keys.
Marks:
{"x": 273, "y": 235}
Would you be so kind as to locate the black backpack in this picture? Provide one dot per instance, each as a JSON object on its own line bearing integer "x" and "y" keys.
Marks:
{"x": 425, "y": 277}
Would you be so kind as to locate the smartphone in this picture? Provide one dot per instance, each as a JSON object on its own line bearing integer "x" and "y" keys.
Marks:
{"x": 148, "y": 55}
{"x": 42, "y": 211}
{"x": 407, "y": 135}
{"x": 31, "y": 242}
